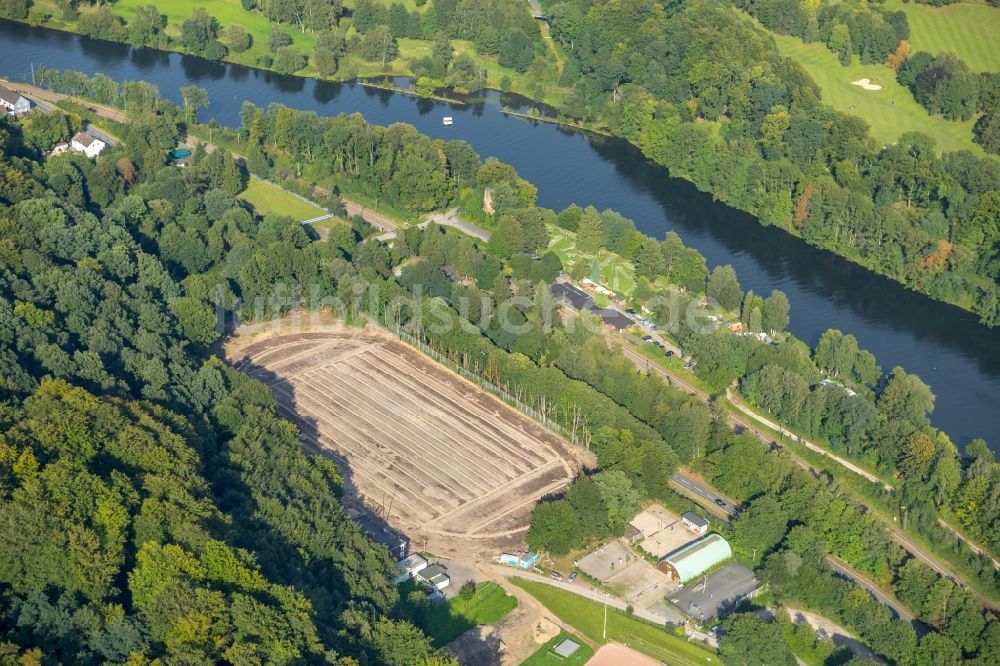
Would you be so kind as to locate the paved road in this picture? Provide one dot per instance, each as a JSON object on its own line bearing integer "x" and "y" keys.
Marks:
{"x": 895, "y": 532}
{"x": 447, "y": 219}
{"x": 703, "y": 490}
{"x": 450, "y": 218}
{"x": 887, "y": 598}
{"x": 48, "y": 107}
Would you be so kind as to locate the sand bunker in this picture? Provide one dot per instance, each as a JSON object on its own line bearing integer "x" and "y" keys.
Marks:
{"x": 866, "y": 84}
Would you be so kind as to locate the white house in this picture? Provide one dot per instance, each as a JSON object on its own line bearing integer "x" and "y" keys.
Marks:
{"x": 60, "y": 148}
{"x": 409, "y": 566}
{"x": 435, "y": 575}
{"x": 694, "y": 522}
{"x": 12, "y": 102}
{"x": 87, "y": 144}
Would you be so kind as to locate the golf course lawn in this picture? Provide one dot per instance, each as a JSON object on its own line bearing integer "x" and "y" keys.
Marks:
{"x": 970, "y": 30}
{"x": 889, "y": 112}
{"x": 228, "y": 12}
{"x": 267, "y": 198}
{"x": 587, "y": 617}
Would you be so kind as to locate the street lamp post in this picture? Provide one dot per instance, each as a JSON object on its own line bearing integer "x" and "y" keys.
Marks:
{"x": 605, "y": 634}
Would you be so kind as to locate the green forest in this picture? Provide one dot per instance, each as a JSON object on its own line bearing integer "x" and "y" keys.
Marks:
{"x": 143, "y": 466}
{"x": 639, "y": 427}
{"x": 153, "y": 506}
{"x": 696, "y": 85}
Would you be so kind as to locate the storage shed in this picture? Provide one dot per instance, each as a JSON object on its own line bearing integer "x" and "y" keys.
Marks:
{"x": 694, "y": 522}
{"x": 695, "y": 558}
{"x": 436, "y": 575}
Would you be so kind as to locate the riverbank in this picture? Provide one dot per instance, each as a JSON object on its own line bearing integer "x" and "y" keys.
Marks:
{"x": 965, "y": 300}
{"x": 352, "y": 66}
{"x": 943, "y": 345}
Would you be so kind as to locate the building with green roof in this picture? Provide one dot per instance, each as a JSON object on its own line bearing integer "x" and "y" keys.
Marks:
{"x": 695, "y": 558}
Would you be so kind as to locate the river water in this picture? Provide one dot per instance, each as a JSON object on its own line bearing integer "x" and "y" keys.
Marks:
{"x": 946, "y": 346}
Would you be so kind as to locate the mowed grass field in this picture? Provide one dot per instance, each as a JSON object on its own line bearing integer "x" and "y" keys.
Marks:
{"x": 266, "y": 198}
{"x": 587, "y": 617}
{"x": 489, "y": 604}
{"x": 546, "y": 656}
{"x": 227, "y": 12}
{"x": 890, "y": 112}
{"x": 971, "y": 30}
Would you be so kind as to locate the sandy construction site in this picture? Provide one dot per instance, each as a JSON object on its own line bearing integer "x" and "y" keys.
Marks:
{"x": 434, "y": 455}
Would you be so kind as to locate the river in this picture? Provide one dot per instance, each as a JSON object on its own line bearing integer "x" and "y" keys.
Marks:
{"x": 946, "y": 346}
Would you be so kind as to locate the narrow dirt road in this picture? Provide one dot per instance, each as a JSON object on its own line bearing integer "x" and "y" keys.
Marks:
{"x": 644, "y": 364}
{"x": 887, "y": 598}
{"x": 745, "y": 409}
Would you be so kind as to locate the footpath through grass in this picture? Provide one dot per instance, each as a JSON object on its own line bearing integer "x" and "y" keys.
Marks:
{"x": 587, "y": 617}
{"x": 268, "y": 199}
{"x": 488, "y": 605}
{"x": 970, "y": 30}
{"x": 546, "y": 657}
{"x": 890, "y": 111}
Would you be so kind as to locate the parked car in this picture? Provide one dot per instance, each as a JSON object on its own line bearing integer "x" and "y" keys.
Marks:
{"x": 647, "y": 338}
{"x": 715, "y": 631}
{"x": 572, "y": 577}
{"x": 555, "y": 575}
{"x": 668, "y": 353}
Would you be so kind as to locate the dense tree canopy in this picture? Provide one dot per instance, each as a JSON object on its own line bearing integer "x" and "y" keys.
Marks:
{"x": 141, "y": 533}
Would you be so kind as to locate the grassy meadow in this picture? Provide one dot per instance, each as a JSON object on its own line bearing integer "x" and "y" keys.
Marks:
{"x": 228, "y": 12}
{"x": 971, "y": 30}
{"x": 267, "y": 198}
{"x": 587, "y": 617}
{"x": 889, "y": 112}
{"x": 489, "y": 604}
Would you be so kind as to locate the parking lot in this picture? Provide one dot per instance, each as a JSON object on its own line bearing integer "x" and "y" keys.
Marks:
{"x": 606, "y": 560}
{"x": 639, "y": 578}
{"x": 631, "y": 578}
{"x": 663, "y": 530}
{"x": 707, "y": 598}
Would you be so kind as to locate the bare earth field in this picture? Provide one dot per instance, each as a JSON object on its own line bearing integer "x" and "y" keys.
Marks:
{"x": 437, "y": 457}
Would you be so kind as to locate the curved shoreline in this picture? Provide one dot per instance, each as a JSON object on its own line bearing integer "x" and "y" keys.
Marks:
{"x": 374, "y": 83}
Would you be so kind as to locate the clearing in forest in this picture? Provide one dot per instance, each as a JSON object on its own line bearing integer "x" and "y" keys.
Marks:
{"x": 268, "y": 199}
{"x": 429, "y": 451}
